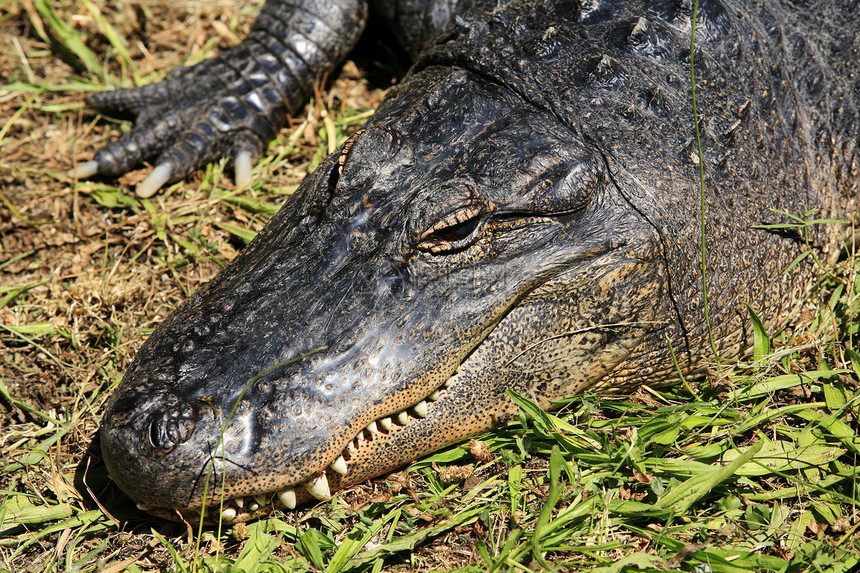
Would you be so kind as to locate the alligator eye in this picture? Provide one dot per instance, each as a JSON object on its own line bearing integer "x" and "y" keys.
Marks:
{"x": 456, "y": 231}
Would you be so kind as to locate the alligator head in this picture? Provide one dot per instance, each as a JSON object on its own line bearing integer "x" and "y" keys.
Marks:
{"x": 467, "y": 242}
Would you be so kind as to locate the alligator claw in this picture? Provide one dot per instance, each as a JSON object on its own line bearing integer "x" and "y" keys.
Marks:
{"x": 231, "y": 105}
{"x": 84, "y": 170}
{"x": 153, "y": 181}
{"x": 242, "y": 165}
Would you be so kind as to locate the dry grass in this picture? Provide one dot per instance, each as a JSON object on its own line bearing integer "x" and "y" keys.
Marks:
{"x": 87, "y": 270}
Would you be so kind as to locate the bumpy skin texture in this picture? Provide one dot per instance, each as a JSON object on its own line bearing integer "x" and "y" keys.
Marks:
{"x": 238, "y": 101}
{"x": 521, "y": 213}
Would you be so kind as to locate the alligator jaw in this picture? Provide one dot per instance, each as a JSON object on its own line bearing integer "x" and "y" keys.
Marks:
{"x": 381, "y": 434}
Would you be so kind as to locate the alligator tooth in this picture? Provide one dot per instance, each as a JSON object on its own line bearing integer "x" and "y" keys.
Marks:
{"x": 403, "y": 418}
{"x": 143, "y": 507}
{"x": 228, "y": 514}
{"x": 434, "y": 396}
{"x": 446, "y": 383}
{"x": 240, "y": 502}
{"x": 253, "y": 506}
{"x": 318, "y": 487}
{"x": 420, "y": 409}
{"x": 261, "y": 499}
{"x": 339, "y": 466}
{"x": 386, "y": 424}
{"x": 350, "y": 447}
{"x": 371, "y": 427}
{"x": 288, "y": 498}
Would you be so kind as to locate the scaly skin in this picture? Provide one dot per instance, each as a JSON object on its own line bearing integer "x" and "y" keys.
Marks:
{"x": 521, "y": 213}
{"x": 233, "y": 105}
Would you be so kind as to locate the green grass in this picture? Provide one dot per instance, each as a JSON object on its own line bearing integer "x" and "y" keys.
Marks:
{"x": 761, "y": 477}
{"x": 756, "y": 472}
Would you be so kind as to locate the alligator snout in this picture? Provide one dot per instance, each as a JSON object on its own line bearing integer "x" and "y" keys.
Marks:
{"x": 149, "y": 437}
{"x": 169, "y": 426}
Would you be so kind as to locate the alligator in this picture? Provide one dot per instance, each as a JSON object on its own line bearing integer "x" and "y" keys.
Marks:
{"x": 525, "y": 212}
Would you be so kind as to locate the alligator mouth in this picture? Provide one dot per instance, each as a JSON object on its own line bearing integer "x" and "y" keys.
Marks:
{"x": 318, "y": 486}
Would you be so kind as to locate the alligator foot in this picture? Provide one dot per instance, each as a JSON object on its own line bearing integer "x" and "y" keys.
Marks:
{"x": 230, "y": 106}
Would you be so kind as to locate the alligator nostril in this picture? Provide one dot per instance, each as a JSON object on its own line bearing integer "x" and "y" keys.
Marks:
{"x": 170, "y": 426}
{"x": 158, "y": 438}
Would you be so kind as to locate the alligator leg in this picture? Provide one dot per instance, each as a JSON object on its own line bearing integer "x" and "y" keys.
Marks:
{"x": 231, "y": 105}
{"x": 417, "y": 22}
{"x": 234, "y": 104}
